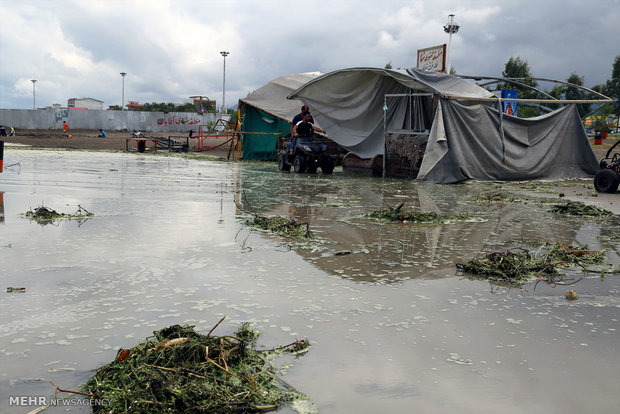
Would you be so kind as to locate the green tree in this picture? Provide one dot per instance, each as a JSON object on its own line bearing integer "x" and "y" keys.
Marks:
{"x": 518, "y": 68}
{"x": 612, "y": 86}
{"x": 388, "y": 65}
{"x": 577, "y": 93}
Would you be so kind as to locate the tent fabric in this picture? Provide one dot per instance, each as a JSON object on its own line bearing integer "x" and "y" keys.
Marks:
{"x": 267, "y": 110}
{"x": 469, "y": 138}
{"x": 262, "y": 146}
{"x": 271, "y": 98}
{"x": 349, "y": 102}
{"x": 466, "y": 142}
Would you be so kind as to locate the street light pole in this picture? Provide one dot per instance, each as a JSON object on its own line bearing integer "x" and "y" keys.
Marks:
{"x": 224, "y": 54}
{"x": 34, "y": 99}
{"x": 450, "y": 28}
{"x": 123, "y": 74}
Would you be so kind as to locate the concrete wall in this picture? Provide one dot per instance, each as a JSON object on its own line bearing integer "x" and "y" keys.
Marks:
{"x": 52, "y": 118}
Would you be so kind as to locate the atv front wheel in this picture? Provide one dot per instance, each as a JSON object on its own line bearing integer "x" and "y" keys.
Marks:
{"x": 606, "y": 181}
{"x": 282, "y": 164}
{"x": 299, "y": 164}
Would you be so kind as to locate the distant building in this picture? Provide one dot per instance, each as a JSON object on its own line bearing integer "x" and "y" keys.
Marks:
{"x": 203, "y": 104}
{"x": 84, "y": 103}
{"x": 133, "y": 105}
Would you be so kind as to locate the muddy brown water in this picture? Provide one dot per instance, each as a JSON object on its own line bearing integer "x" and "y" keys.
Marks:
{"x": 393, "y": 326}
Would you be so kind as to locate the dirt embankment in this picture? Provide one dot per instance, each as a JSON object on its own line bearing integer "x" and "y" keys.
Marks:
{"x": 84, "y": 139}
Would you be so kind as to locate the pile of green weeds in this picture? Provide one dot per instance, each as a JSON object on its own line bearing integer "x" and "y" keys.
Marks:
{"x": 180, "y": 370}
{"x": 518, "y": 266}
{"x": 579, "y": 209}
{"x": 282, "y": 226}
{"x": 495, "y": 197}
{"x": 397, "y": 214}
{"x": 44, "y": 215}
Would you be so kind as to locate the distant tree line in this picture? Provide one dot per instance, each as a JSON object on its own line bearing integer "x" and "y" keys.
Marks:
{"x": 518, "y": 68}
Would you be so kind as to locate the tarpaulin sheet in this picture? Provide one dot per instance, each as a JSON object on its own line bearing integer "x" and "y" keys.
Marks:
{"x": 466, "y": 142}
{"x": 349, "y": 103}
{"x": 469, "y": 139}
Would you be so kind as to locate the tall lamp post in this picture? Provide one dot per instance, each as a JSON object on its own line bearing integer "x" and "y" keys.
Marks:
{"x": 450, "y": 28}
{"x": 224, "y": 54}
{"x": 34, "y": 99}
{"x": 123, "y": 74}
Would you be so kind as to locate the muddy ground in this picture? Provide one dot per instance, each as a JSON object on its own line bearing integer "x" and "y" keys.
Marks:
{"x": 89, "y": 139}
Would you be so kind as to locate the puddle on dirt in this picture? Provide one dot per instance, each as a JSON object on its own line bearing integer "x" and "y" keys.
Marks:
{"x": 394, "y": 327}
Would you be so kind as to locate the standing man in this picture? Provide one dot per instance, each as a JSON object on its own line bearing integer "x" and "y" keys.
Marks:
{"x": 65, "y": 128}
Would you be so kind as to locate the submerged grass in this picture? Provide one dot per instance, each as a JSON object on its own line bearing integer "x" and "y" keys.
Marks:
{"x": 396, "y": 214}
{"x": 579, "y": 209}
{"x": 180, "y": 370}
{"x": 518, "y": 266}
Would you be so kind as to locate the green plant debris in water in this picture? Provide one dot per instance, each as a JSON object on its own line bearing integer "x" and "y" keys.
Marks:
{"x": 579, "y": 209}
{"x": 396, "y": 214}
{"x": 495, "y": 197}
{"x": 282, "y": 226}
{"x": 180, "y": 370}
{"x": 519, "y": 265}
{"x": 44, "y": 215}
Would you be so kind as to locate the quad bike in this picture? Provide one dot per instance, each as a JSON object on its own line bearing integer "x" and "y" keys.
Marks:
{"x": 606, "y": 180}
{"x": 307, "y": 156}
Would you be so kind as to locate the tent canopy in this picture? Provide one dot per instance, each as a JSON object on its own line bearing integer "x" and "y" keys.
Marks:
{"x": 468, "y": 137}
{"x": 268, "y": 113}
{"x": 272, "y": 97}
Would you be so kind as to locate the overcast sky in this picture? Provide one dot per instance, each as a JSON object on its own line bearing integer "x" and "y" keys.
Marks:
{"x": 171, "y": 49}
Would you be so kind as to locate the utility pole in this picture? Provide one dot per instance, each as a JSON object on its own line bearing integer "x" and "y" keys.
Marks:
{"x": 224, "y": 54}
{"x": 450, "y": 28}
{"x": 123, "y": 74}
{"x": 34, "y": 99}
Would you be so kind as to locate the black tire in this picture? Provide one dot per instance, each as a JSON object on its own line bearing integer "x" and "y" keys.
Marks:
{"x": 299, "y": 164}
{"x": 327, "y": 167}
{"x": 606, "y": 181}
{"x": 282, "y": 164}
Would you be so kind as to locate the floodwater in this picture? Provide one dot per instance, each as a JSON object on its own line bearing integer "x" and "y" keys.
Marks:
{"x": 393, "y": 326}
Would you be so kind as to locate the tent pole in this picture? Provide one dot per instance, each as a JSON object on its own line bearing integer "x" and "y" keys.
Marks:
{"x": 384, "y": 134}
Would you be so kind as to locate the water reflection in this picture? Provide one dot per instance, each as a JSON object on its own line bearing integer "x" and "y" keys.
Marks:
{"x": 336, "y": 210}
{"x": 392, "y": 328}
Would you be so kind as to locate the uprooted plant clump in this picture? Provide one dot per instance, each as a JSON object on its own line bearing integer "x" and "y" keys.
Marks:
{"x": 180, "y": 370}
{"x": 518, "y": 266}
{"x": 495, "y": 197}
{"x": 282, "y": 226}
{"x": 579, "y": 209}
{"x": 44, "y": 215}
{"x": 396, "y": 214}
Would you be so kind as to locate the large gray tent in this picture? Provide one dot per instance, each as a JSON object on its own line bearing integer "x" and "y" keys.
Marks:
{"x": 467, "y": 135}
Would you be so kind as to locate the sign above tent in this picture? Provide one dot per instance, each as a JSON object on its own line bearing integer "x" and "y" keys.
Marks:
{"x": 432, "y": 58}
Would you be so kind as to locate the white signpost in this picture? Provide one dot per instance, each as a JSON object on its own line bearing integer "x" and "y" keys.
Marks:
{"x": 432, "y": 58}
